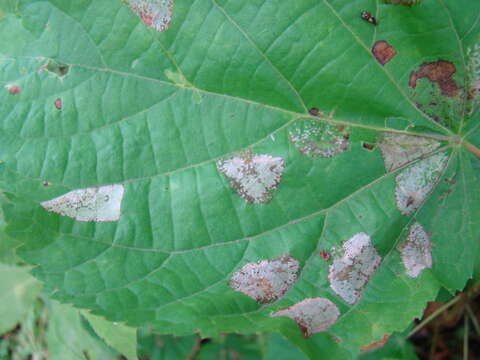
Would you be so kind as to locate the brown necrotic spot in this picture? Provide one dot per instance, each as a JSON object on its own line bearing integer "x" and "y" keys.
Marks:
{"x": 383, "y": 51}
{"x": 349, "y": 273}
{"x": 58, "y": 104}
{"x": 13, "y": 89}
{"x": 317, "y": 138}
{"x": 312, "y": 315}
{"x": 368, "y": 146}
{"x": 439, "y": 72}
{"x": 155, "y": 14}
{"x": 416, "y": 181}
{"x": 267, "y": 280}
{"x": 416, "y": 251}
{"x": 254, "y": 178}
{"x": 400, "y": 149}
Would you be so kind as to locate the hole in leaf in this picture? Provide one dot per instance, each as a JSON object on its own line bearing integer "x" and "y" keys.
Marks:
{"x": 56, "y": 68}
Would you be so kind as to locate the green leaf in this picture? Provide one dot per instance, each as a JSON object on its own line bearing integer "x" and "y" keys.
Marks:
{"x": 157, "y": 347}
{"x": 203, "y": 167}
{"x": 68, "y": 338}
{"x": 396, "y": 348}
{"x": 120, "y": 337}
{"x": 18, "y": 291}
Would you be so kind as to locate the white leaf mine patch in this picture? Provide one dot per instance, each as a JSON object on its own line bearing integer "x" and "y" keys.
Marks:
{"x": 317, "y": 138}
{"x": 416, "y": 251}
{"x": 312, "y": 315}
{"x": 400, "y": 149}
{"x": 416, "y": 181}
{"x": 473, "y": 55}
{"x": 156, "y": 14}
{"x": 349, "y": 273}
{"x": 253, "y": 178}
{"x": 90, "y": 204}
{"x": 267, "y": 280}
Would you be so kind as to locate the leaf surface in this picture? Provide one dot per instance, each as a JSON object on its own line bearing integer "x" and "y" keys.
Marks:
{"x": 209, "y": 130}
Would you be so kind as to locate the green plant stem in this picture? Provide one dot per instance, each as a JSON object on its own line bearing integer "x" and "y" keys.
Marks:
{"x": 434, "y": 315}
{"x": 472, "y": 148}
{"x": 474, "y": 319}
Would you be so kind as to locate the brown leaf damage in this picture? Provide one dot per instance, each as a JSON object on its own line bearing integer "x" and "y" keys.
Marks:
{"x": 439, "y": 72}
{"x": 383, "y": 51}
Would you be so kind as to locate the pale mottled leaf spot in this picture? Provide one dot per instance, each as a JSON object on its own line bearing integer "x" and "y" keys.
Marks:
{"x": 90, "y": 204}
{"x": 416, "y": 181}
{"x": 313, "y": 315}
{"x": 267, "y": 280}
{"x": 473, "y": 55}
{"x": 318, "y": 138}
{"x": 349, "y": 273}
{"x": 155, "y": 14}
{"x": 253, "y": 178}
{"x": 416, "y": 251}
{"x": 400, "y": 149}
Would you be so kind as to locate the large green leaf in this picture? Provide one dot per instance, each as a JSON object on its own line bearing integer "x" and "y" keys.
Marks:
{"x": 151, "y": 121}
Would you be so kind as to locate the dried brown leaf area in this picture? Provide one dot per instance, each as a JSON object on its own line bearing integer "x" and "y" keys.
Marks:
{"x": 349, "y": 273}
{"x": 383, "y": 52}
{"x": 416, "y": 181}
{"x": 317, "y": 138}
{"x": 254, "y": 178}
{"x": 267, "y": 280}
{"x": 312, "y": 315}
{"x": 400, "y": 149}
{"x": 90, "y": 204}
{"x": 155, "y": 14}
{"x": 416, "y": 251}
{"x": 439, "y": 72}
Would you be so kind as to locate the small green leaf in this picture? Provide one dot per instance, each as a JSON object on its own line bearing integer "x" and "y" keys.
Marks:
{"x": 120, "y": 337}
{"x": 18, "y": 291}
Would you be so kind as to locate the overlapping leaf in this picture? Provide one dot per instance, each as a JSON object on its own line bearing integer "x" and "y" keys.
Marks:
{"x": 206, "y": 128}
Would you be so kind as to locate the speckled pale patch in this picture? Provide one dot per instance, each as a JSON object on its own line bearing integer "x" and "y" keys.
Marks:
{"x": 313, "y": 315}
{"x": 473, "y": 55}
{"x": 253, "y": 178}
{"x": 416, "y": 181}
{"x": 317, "y": 138}
{"x": 265, "y": 281}
{"x": 400, "y": 149}
{"x": 156, "y": 14}
{"x": 90, "y": 204}
{"x": 349, "y": 273}
{"x": 416, "y": 251}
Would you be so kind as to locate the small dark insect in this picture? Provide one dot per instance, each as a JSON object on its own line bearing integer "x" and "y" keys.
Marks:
{"x": 324, "y": 255}
{"x": 368, "y": 17}
{"x": 368, "y": 146}
{"x": 314, "y": 111}
{"x": 45, "y": 183}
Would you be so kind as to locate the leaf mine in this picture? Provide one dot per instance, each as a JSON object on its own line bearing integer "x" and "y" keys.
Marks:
{"x": 416, "y": 181}
{"x": 383, "y": 52}
{"x": 439, "y": 72}
{"x": 90, "y": 204}
{"x": 13, "y": 89}
{"x": 473, "y": 55}
{"x": 349, "y": 273}
{"x": 155, "y": 14}
{"x": 400, "y": 149}
{"x": 312, "y": 315}
{"x": 254, "y": 178}
{"x": 267, "y": 280}
{"x": 416, "y": 251}
{"x": 316, "y": 138}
